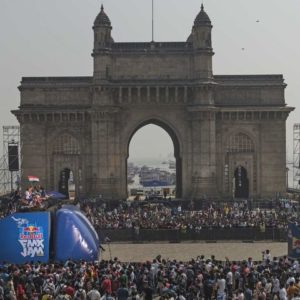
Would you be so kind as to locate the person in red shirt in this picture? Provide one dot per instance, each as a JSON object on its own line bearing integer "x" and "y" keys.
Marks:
{"x": 69, "y": 290}
{"x": 106, "y": 285}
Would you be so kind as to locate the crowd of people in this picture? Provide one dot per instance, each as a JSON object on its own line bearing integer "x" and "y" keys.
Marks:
{"x": 33, "y": 198}
{"x": 160, "y": 216}
{"x": 200, "y": 278}
{"x": 130, "y": 215}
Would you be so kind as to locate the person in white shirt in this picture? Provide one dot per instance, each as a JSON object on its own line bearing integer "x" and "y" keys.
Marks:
{"x": 240, "y": 295}
{"x": 267, "y": 255}
{"x": 229, "y": 280}
{"x": 93, "y": 294}
{"x": 221, "y": 285}
{"x": 282, "y": 293}
{"x": 276, "y": 286}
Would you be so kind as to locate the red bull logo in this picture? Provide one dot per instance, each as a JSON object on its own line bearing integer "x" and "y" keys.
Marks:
{"x": 31, "y": 238}
{"x": 31, "y": 232}
{"x": 296, "y": 244}
{"x": 31, "y": 229}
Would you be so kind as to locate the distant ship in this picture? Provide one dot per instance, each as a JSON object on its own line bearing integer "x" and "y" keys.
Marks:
{"x": 156, "y": 177}
{"x": 172, "y": 165}
{"x": 153, "y": 183}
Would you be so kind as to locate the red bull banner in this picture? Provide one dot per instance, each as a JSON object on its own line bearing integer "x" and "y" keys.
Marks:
{"x": 25, "y": 237}
{"x": 293, "y": 240}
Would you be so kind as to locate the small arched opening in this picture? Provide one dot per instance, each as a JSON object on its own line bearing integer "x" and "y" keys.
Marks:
{"x": 66, "y": 164}
{"x": 241, "y": 183}
{"x": 64, "y": 177}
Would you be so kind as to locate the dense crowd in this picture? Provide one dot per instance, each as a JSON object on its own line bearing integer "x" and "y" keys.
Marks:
{"x": 214, "y": 216}
{"x": 33, "y": 198}
{"x": 130, "y": 215}
{"x": 200, "y": 278}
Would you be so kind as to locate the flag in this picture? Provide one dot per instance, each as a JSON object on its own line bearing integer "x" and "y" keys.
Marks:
{"x": 33, "y": 179}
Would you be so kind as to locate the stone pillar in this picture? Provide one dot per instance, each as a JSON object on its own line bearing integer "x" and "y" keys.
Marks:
{"x": 120, "y": 94}
{"x": 157, "y": 95}
{"x": 203, "y": 145}
{"x": 139, "y": 94}
{"x": 185, "y": 94}
{"x": 176, "y": 94}
{"x": 167, "y": 94}
{"x": 106, "y": 148}
{"x": 148, "y": 94}
{"x": 129, "y": 94}
{"x": 34, "y": 161}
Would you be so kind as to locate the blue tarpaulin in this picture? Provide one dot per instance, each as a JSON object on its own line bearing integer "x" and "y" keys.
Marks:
{"x": 25, "y": 237}
{"x": 56, "y": 195}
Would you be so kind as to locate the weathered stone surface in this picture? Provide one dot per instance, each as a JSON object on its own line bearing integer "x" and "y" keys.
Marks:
{"x": 218, "y": 123}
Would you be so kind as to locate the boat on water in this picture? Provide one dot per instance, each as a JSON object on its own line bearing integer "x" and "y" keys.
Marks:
{"x": 155, "y": 183}
{"x": 172, "y": 165}
{"x": 150, "y": 177}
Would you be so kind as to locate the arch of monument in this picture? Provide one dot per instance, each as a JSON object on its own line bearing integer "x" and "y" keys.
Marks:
{"x": 217, "y": 122}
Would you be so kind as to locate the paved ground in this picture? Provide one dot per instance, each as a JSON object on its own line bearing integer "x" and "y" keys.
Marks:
{"x": 186, "y": 251}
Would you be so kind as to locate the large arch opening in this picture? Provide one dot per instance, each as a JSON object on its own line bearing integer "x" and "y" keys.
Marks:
{"x": 154, "y": 166}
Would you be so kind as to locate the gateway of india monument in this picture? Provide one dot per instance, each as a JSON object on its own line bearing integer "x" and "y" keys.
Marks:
{"x": 228, "y": 131}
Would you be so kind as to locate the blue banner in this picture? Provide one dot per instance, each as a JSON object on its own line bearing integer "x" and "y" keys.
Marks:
{"x": 293, "y": 241}
{"x": 25, "y": 237}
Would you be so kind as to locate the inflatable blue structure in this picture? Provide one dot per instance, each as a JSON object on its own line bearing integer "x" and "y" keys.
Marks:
{"x": 28, "y": 237}
{"x": 74, "y": 236}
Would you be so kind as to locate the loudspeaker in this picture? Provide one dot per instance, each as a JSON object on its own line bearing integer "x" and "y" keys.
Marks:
{"x": 13, "y": 158}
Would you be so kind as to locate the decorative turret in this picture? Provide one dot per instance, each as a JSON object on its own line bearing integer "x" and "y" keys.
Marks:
{"x": 200, "y": 38}
{"x": 102, "y": 31}
{"x": 201, "y": 33}
{"x": 102, "y": 46}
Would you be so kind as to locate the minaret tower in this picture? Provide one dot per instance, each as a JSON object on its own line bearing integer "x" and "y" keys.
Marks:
{"x": 201, "y": 41}
{"x": 102, "y": 45}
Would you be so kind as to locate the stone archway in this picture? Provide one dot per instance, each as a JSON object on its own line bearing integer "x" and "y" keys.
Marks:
{"x": 240, "y": 156}
{"x": 65, "y": 160}
{"x": 176, "y": 145}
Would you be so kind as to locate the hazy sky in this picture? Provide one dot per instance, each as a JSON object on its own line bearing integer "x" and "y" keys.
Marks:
{"x": 55, "y": 38}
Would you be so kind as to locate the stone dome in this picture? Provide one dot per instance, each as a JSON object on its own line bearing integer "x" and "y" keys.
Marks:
{"x": 202, "y": 18}
{"x": 102, "y": 19}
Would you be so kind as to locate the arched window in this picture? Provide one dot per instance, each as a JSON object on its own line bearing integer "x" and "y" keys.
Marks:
{"x": 66, "y": 144}
{"x": 240, "y": 143}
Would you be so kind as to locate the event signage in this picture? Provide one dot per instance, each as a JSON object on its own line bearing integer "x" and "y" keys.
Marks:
{"x": 293, "y": 240}
{"x": 26, "y": 239}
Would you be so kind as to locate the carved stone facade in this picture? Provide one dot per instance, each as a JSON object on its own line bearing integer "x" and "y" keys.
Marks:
{"x": 228, "y": 131}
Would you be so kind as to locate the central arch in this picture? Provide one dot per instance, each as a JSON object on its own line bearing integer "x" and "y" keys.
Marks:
{"x": 176, "y": 144}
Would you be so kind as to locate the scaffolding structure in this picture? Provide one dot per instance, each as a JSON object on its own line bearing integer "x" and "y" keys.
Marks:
{"x": 296, "y": 156}
{"x": 9, "y": 180}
